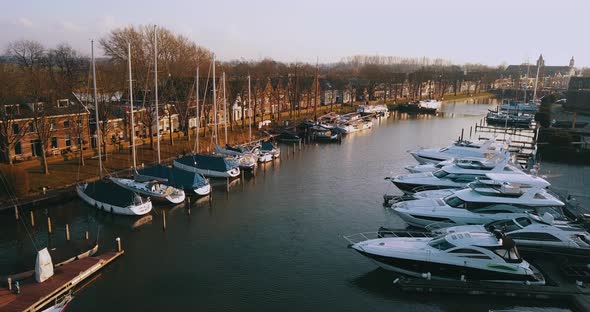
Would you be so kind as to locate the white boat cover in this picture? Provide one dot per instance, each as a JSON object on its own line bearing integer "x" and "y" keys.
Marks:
{"x": 43, "y": 266}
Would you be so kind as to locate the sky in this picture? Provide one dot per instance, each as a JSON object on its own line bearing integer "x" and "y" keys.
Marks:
{"x": 491, "y": 32}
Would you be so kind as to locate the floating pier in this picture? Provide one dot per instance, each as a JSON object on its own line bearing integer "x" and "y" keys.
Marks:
{"x": 35, "y": 296}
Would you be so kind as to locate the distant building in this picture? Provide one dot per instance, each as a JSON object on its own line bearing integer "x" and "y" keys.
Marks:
{"x": 66, "y": 119}
{"x": 550, "y": 77}
{"x": 578, "y": 94}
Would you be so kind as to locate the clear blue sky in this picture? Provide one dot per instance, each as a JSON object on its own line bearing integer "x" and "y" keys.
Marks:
{"x": 489, "y": 32}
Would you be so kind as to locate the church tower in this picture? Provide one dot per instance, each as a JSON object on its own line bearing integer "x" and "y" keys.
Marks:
{"x": 541, "y": 61}
{"x": 572, "y": 62}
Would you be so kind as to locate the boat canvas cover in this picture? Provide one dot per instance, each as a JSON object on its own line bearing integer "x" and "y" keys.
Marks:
{"x": 175, "y": 177}
{"x": 209, "y": 162}
{"x": 110, "y": 193}
{"x": 267, "y": 146}
{"x": 43, "y": 266}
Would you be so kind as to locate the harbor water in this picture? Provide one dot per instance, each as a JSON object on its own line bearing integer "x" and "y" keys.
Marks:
{"x": 274, "y": 242}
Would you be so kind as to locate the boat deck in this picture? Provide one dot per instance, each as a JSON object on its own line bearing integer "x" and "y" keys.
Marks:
{"x": 34, "y": 296}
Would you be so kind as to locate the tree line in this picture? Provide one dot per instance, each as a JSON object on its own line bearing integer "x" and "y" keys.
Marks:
{"x": 32, "y": 73}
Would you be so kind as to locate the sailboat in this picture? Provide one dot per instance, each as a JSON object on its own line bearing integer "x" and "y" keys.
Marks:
{"x": 247, "y": 161}
{"x": 104, "y": 194}
{"x": 209, "y": 165}
{"x": 148, "y": 187}
{"x": 171, "y": 176}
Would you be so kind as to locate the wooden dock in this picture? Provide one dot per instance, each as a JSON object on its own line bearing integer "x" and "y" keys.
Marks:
{"x": 35, "y": 296}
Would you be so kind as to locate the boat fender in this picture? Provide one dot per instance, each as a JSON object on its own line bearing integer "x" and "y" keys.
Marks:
{"x": 427, "y": 275}
{"x": 395, "y": 281}
{"x": 463, "y": 278}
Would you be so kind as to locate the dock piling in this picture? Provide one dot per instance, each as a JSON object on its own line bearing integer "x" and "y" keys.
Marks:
{"x": 32, "y": 218}
{"x": 86, "y": 235}
{"x": 16, "y": 212}
{"x": 164, "y": 220}
{"x": 227, "y": 185}
{"x": 49, "y": 225}
{"x": 300, "y": 144}
{"x": 118, "y": 239}
{"x": 67, "y": 232}
{"x": 294, "y": 148}
{"x": 9, "y": 281}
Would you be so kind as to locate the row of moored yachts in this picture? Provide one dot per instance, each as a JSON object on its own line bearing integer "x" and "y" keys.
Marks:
{"x": 474, "y": 207}
{"x": 167, "y": 184}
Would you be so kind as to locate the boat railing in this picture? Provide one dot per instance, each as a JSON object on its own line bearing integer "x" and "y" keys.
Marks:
{"x": 384, "y": 232}
{"x": 428, "y": 188}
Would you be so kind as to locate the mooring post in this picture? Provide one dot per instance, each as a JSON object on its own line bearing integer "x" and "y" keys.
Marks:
{"x": 287, "y": 151}
{"x": 118, "y": 239}
{"x": 49, "y": 224}
{"x": 470, "y": 131}
{"x": 294, "y": 148}
{"x": 164, "y": 220}
{"x": 67, "y": 232}
{"x": 189, "y": 207}
{"x": 227, "y": 185}
{"x": 32, "y": 218}
{"x": 86, "y": 235}
{"x": 9, "y": 281}
{"x": 16, "y": 212}
{"x": 300, "y": 144}
{"x": 462, "y": 130}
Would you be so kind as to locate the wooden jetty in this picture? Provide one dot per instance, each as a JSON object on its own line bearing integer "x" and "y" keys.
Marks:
{"x": 35, "y": 296}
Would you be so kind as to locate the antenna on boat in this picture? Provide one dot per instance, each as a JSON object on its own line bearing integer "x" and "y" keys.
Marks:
{"x": 96, "y": 109}
{"x": 131, "y": 103}
{"x": 155, "y": 91}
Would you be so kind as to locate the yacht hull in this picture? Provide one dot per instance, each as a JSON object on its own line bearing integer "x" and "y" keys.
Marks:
{"x": 137, "y": 210}
{"x": 232, "y": 173}
{"x": 440, "y": 270}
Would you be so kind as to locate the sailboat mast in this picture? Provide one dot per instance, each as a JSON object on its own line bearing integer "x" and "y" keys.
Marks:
{"x": 214, "y": 103}
{"x": 156, "y": 90}
{"x": 536, "y": 81}
{"x": 96, "y": 110}
{"x": 249, "y": 111}
{"x": 317, "y": 93}
{"x": 224, "y": 108}
{"x": 131, "y": 104}
{"x": 197, "y": 96}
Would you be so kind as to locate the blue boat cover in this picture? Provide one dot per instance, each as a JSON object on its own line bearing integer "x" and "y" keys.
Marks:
{"x": 110, "y": 193}
{"x": 210, "y": 162}
{"x": 177, "y": 178}
{"x": 267, "y": 146}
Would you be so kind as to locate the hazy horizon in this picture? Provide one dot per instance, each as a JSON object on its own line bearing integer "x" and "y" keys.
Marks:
{"x": 460, "y": 31}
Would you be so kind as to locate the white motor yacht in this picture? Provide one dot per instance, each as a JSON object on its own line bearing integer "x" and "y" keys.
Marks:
{"x": 457, "y": 256}
{"x": 535, "y": 235}
{"x": 480, "y": 149}
{"x": 479, "y": 205}
{"x": 153, "y": 189}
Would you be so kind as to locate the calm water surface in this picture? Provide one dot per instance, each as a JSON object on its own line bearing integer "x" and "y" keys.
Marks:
{"x": 274, "y": 243}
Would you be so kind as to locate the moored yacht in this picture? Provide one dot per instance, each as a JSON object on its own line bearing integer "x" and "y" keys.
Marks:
{"x": 178, "y": 178}
{"x": 270, "y": 148}
{"x": 106, "y": 195}
{"x": 151, "y": 187}
{"x": 456, "y": 175}
{"x": 465, "y": 162}
{"x": 535, "y": 235}
{"x": 246, "y": 161}
{"x": 457, "y": 256}
{"x": 209, "y": 165}
{"x": 480, "y": 205}
{"x": 481, "y": 149}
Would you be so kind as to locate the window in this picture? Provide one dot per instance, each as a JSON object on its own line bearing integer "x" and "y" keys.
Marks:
{"x": 79, "y": 123}
{"x": 31, "y": 127}
{"x": 545, "y": 237}
{"x": 503, "y": 225}
{"x": 52, "y": 125}
{"x": 68, "y": 141}
{"x": 12, "y": 109}
{"x": 454, "y": 201}
{"x": 15, "y": 128}
{"x": 510, "y": 255}
{"x": 440, "y": 174}
{"x": 66, "y": 124}
{"x": 18, "y": 150}
{"x": 63, "y": 103}
{"x": 54, "y": 142}
{"x": 466, "y": 251}
{"x": 441, "y": 243}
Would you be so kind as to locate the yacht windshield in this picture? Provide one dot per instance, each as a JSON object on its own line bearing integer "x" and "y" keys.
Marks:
{"x": 509, "y": 255}
{"x": 503, "y": 225}
{"x": 440, "y": 173}
{"x": 441, "y": 244}
{"x": 454, "y": 201}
